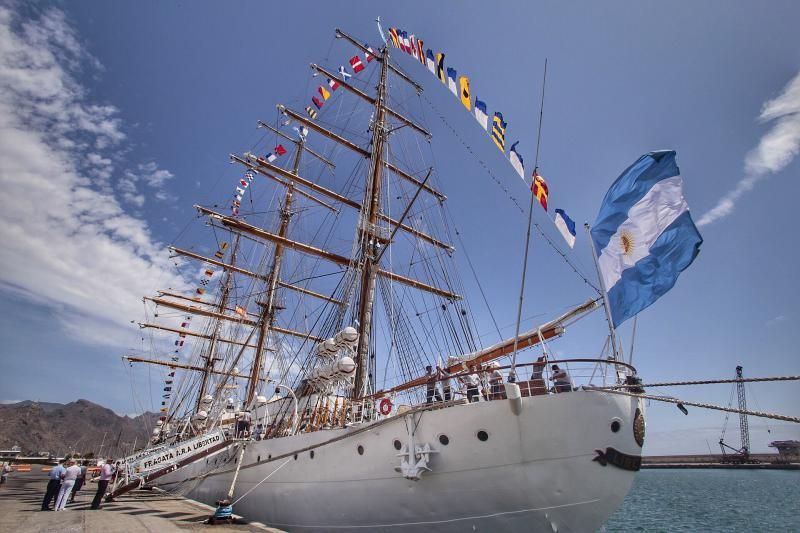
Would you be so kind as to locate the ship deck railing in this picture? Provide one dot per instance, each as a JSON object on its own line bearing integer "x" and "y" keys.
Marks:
{"x": 534, "y": 379}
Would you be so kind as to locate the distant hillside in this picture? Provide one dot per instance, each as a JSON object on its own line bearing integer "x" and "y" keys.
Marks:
{"x": 78, "y": 426}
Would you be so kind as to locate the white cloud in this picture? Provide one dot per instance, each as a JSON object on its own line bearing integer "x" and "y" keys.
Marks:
{"x": 776, "y": 320}
{"x": 67, "y": 242}
{"x": 777, "y": 148}
{"x": 152, "y": 176}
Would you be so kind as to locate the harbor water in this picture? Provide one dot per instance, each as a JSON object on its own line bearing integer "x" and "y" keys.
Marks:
{"x": 710, "y": 500}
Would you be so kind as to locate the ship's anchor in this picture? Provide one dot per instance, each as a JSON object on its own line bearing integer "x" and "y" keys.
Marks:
{"x": 414, "y": 463}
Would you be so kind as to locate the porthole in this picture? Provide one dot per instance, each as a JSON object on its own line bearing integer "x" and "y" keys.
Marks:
{"x": 269, "y": 457}
{"x": 360, "y": 450}
{"x": 311, "y": 454}
{"x": 615, "y": 425}
{"x": 295, "y": 457}
{"x": 258, "y": 459}
{"x": 444, "y": 440}
{"x": 397, "y": 444}
{"x": 483, "y": 436}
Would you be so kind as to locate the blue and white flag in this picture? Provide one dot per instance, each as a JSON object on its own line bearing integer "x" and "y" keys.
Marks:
{"x": 516, "y": 160}
{"x": 644, "y": 235}
{"x": 480, "y": 113}
{"x": 451, "y": 80}
{"x": 566, "y": 226}
{"x": 430, "y": 61}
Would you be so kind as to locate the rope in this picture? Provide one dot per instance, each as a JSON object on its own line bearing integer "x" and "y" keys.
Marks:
{"x": 705, "y": 382}
{"x": 705, "y": 405}
{"x": 475, "y": 155}
{"x": 260, "y": 482}
{"x": 510, "y": 196}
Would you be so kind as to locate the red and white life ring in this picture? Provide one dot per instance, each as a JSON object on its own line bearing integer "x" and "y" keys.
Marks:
{"x": 385, "y": 407}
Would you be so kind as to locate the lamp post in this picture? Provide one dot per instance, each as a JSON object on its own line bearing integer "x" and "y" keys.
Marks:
{"x": 290, "y": 391}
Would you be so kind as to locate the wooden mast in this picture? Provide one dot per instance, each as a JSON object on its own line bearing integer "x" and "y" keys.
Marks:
{"x": 208, "y": 368}
{"x": 370, "y": 249}
{"x": 269, "y": 307}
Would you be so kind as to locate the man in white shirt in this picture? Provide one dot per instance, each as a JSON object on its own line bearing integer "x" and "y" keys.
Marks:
{"x": 471, "y": 382}
{"x": 67, "y": 482}
{"x": 80, "y": 481}
{"x": 106, "y": 473}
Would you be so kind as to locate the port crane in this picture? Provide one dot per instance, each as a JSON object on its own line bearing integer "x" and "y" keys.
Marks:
{"x": 729, "y": 453}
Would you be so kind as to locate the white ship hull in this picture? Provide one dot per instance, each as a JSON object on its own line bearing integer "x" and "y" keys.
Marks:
{"x": 535, "y": 472}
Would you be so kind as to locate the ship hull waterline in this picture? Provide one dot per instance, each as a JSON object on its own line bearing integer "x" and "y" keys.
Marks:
{"x": 536, "y": 471}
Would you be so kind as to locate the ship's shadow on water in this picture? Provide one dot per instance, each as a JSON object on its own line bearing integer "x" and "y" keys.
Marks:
{"x": 710, "y": 500}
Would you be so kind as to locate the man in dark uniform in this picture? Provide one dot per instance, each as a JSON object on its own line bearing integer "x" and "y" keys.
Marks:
{"x": 53, "y": 485}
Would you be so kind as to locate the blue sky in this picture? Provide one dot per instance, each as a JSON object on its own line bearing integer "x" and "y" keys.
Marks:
{"x": 120, "y": 116}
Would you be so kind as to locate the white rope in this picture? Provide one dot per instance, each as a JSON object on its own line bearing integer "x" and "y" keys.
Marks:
{"x": 260, "y": 482}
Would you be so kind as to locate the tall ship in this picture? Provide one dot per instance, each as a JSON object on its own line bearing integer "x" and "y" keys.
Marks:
{"x": 333, "y": 377}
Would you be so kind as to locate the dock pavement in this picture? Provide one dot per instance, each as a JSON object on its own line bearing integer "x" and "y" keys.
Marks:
{"x": 138, "y": 511}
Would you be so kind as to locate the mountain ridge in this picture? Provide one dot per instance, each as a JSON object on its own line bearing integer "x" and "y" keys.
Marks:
{"x": 80, "y": 426}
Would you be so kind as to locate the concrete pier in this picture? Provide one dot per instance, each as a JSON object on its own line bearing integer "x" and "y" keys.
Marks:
{"x": 760, "y": 461}
{"x": 137, "y": 511}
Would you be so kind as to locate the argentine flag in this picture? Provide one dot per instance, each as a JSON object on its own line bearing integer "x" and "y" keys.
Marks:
{"x": 644, "y": 235}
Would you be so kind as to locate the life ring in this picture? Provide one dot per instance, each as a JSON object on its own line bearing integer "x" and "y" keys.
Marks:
{"x": 385, "y": 406}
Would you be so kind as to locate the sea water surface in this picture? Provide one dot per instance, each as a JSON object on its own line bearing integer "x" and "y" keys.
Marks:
{"x": 710, "y": 500}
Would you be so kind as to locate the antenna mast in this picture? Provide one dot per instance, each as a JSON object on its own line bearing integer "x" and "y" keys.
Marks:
{"x": 512, "y": 375}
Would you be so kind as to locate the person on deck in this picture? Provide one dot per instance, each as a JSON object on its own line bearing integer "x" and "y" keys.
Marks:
{"x": 80, "y": 481}
{"x": 67, "y": 482}
{"x": 106, "y": 473}
{"x": 444, "y": 376}
{"x": 496, "y": 383}
{"x": 433, "y": 390}
{"x": 560, "y": 379}
{"x": 243, "y": 425}
{"x": 538, "y": 367}
{"x": 472, "y": 382}
{"x": 53, "y": 485}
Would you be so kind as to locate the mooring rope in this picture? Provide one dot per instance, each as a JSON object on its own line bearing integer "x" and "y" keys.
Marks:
{"x": 260, "y": 482}
{"x": 702, "y": 405}
{"x": 704, "y": 382}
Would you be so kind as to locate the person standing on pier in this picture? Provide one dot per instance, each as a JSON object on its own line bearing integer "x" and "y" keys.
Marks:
{"x": 53, "y": 485}
{"x": 106, "y": 473}
{"x": 80, "y": 481}
{"x": 67, "y": 482}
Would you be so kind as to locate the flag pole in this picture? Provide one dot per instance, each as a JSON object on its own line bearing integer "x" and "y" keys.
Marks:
{"x": 512, "y": 375}
{"x": 606, "y": 305}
